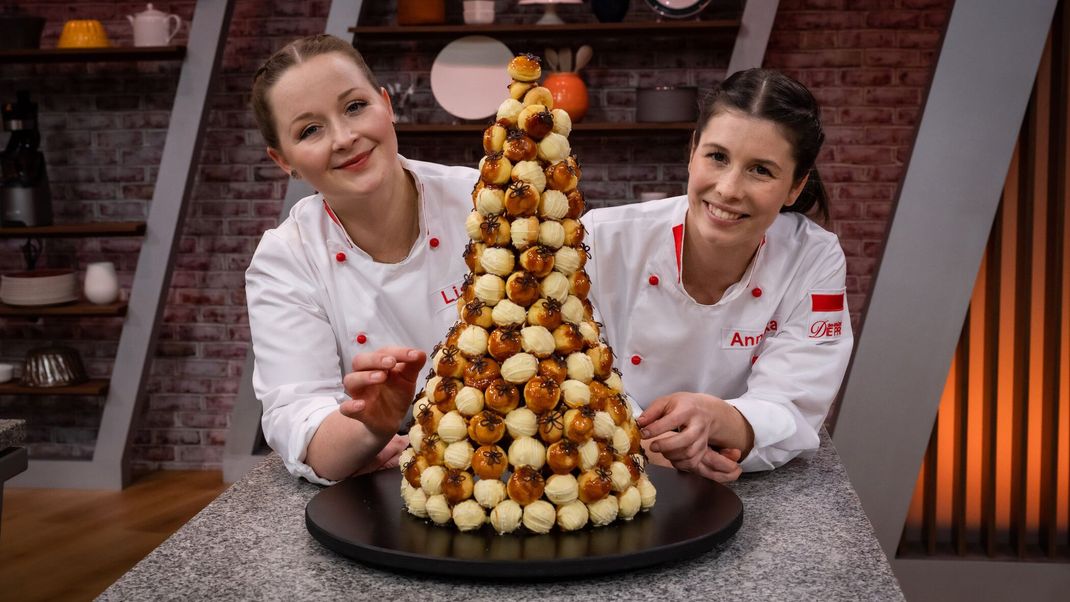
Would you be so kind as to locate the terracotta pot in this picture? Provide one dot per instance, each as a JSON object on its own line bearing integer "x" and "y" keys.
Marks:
{"x": 570, "y": 94}
{"x": 421, "y": 12}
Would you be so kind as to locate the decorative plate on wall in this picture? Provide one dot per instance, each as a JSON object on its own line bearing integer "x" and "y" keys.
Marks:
{"x": 677, "y": 9}
{"x": 469, "y": 76}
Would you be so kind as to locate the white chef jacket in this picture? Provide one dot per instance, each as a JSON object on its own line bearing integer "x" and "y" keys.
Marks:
{"x": 316, "y": 299}
{"x": 775, "y": 346}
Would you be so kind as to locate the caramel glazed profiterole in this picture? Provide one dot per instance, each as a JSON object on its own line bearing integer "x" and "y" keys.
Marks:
{"x": 523, "y": 420}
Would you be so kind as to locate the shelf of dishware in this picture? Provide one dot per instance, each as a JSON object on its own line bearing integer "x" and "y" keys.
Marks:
{"x": 86, "y": 55}
{"x": 80, "y": 308}
{"x": 527, "y": 30}
{"x": 96, "y": 386}
{"x": 593, "y": 127}
{"x": 83, "y": 230}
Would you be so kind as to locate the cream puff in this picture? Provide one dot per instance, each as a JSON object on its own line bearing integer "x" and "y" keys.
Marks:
{"x": 561, "y": 489}
{"x": 433, "y": 450}
{"x": 506, "y": 517}
{"x": 562, "y": 122}
{"x": 458, "y": 455}
{"x": 473, "y": 256}
{"x": 531, "y": 173}
{"x": 537, "y": 340}
{"x": 552, "y": 147}
{"x": 519, "y": 368}
{"x": 537, "y": 121}
{"x": 551, "y": 426}
{"x": 553, "y": 204}
{"x": 452, "y": 427}
{"x": 468, "y": 515}
{"x": 576, "y": 204}
{"x": 576, "y": 393}
{"x": 508, "y": 112}
{"x": 521, "y": 199}
{"x": 494, "y": 139}
{"x": 489, "y": 492}
{"x": 579, "y": 424}
{"x": 522, "y": 288}
{"x": 563, "y": 456}
{"x": 486, "y": 428}
{"x": 413, "y": 469}
{"x": 469, "y": 401}
{"x": 476, "y": 313}
{"x": 489, "y": 462}
{"x": 473, "y": 341}
{"x": 603, "y": 511}
{"x": 579, "y": 284}
{"x": 540, "y": 260}
{"x": 580, "y": 368}
{"x": 521, "y": 422}
{"x": 517, "y": 90}
{"x": 525, "y": 68}
{"x": 554, "y": 286}
{"x": 561, "y": 176}
{"x": 495, "y": 168}
{"x": 629, "y": 502}
{"x": 445, "y": 392}
{"x": 527, "y": 451}
{"x": 494, "y": 230}
{"x": 573, "y": 232}
{"x": 554, "y": 367}
{"x": 602, "y": 360}
{"x": 449, "y": 363}
{"x": 526, "y": 485}
{"x": 547, "y": 314}
{"x": 524, "y": 232}
{"x": 568, "y": 339}
{"x": 480, "y": 372}
{"x": 498, "y": 261}
{"x": 539, "y": 96}
{"x": 508, "y": 313}
{"x": 491, "y": 201}
{"x": 457, "y": 486}
{"x": 552, "y": 234}
{"x": 539, "y": 517}
{"x": 501, "y": 396}
{"x": 490, "y": 289}
{"x": 504, "y": 342}
{"x": 541, "y": 394}
{"x": 594, "y": 485}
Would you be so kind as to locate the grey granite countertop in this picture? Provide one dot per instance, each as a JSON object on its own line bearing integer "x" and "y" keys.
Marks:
{"x": 804, "y": 537}
{"x": 12, "y": 433}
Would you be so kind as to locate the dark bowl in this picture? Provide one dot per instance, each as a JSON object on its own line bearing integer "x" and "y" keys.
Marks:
{"x": 20, "y": 32}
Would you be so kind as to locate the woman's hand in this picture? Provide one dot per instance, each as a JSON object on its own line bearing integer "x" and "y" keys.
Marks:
{"x": 685, "y": 425}
{"x": 381, "y": 386}
{"x": 388, "y": 457}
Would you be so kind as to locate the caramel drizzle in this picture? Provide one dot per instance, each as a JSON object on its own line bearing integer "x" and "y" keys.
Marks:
{"x": 474, "y": 308}
{"x": 603, "y": 473}
{"x": 449, "y": 354}
{"x": 490, "y": 420}
{"x": 455, "y": 476}
{"x": 505, "y": 389}
{"x": 491, "y": 225}
{"x": 568, "y": 446}
{"x": 587, "y": 412}
{"x": 527, "y": 280}
{"x": 528, "y": 474}
{"x": 548, "y": 384}
{"x": 493, "y": 456}
{"x": 519, "y": 189}
{"x": 543, "y": 252}
{"x": 554, "y": 419}
{"x": 509, "y": 334}
{"x": 553, "y": 307}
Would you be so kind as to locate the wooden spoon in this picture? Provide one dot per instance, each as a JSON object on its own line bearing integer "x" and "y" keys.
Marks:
{"x": 551, "y": 58}
{"x": 566, "y": 59}
{"x": 583, "y": 56}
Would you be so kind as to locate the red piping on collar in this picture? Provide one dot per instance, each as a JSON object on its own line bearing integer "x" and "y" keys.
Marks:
{"x": 678, "y": 237}
{"x": 331, "y": 213}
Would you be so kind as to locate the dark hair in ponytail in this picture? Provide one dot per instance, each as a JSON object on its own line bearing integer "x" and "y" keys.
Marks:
{"x": 771, "y": 95}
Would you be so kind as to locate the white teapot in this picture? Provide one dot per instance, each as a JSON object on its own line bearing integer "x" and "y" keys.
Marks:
{"x": 153, "y": 27}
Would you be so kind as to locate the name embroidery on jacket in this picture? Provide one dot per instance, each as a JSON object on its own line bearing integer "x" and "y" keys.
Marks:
{"x": 733, "y": 338}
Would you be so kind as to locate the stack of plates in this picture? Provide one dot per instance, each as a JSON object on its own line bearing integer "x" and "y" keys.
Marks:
{"x": 40, "y": 287}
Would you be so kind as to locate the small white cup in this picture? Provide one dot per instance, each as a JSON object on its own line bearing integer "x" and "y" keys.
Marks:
{"x": 478, "y": 12}
{"x": 7, "y": 371}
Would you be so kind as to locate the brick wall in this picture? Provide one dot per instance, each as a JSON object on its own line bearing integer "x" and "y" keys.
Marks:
{"x": 868, "y": 62}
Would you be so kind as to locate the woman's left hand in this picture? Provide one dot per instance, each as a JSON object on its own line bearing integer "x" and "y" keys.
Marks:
{"x": 687, "y": 424}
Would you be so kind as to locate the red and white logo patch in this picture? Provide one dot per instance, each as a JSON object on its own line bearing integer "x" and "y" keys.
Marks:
{"x": 826, "y": 314}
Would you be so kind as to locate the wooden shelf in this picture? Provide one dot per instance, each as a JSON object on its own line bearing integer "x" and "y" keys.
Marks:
{"x": 76, "y": 230}
{"x": 592, "y": 128}
{"x": 97, "y": 386}
{"x": 81, "y": 308}
{"x": 530, "y": 30}
{"x": 86, "y": 55}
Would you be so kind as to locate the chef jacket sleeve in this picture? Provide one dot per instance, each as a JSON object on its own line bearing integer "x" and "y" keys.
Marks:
{"x": 297, "y": 374}
{"x": 796, "y": 376}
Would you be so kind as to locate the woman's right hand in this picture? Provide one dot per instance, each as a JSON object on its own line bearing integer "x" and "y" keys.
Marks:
{"x": 381, "y": 387}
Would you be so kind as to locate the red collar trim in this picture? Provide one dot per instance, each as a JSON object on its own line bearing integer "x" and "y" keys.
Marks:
{"x": 334, "y": 218}
{"x": 678, "y": 238}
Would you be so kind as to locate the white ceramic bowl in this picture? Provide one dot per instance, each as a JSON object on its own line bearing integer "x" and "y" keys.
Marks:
{"x": 39, "y": 287}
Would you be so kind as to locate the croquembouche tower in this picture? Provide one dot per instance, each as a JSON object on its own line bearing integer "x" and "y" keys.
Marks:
{"x": 523, "y": 420}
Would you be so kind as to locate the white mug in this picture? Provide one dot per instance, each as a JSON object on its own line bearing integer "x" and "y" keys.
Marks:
{"x": 101, "y": 283}
{"x": 153, "y": 27}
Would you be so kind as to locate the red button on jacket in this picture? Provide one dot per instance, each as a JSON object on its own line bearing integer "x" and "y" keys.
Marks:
{"x": 362, "y": 338}
{"x": 340, "y": 257}
{"x": 434, "y": 243}
{"x": 636, "y": 360}
{"x": 653, "y": 280}
{"x": 757, "y": 292}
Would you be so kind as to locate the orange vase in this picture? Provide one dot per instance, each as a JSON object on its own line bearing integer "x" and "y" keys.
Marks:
{"x": 570, "y": 94}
